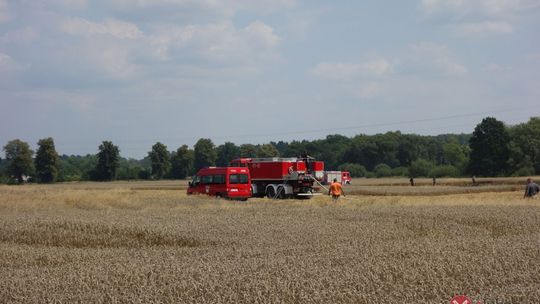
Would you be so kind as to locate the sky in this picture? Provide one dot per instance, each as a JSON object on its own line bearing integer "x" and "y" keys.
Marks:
{"x": 141, "y": 71}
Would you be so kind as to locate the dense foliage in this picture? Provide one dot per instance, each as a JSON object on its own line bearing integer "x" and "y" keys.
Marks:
{"x": 494, "y": 149}
{"x": 159, "y": 156}
{"x": 489, "y": 148}
{"x": 19, "y": 159}
{"x": 205, "y": 153}
{"x": 46, "y": 161}
{"x": 107, "y": 164}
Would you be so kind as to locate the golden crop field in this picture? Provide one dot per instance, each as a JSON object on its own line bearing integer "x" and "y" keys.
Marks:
{"x": 150, "y": 243}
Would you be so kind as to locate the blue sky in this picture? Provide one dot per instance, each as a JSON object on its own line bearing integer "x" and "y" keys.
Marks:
{"x": 141, "y": 71}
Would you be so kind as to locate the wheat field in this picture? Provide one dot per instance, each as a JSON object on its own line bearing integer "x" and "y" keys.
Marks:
{"x": 119, "y": 244}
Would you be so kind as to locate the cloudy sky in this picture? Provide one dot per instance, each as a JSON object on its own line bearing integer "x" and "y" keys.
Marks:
{"x": 141, "y": 71}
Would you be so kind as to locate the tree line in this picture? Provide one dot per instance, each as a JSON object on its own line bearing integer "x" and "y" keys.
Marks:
{"x": 493, "y": 149}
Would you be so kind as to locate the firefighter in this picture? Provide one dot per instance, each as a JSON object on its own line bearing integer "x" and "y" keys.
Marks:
{"x": 531, "y": 189}
{"x": 335, "y": 190}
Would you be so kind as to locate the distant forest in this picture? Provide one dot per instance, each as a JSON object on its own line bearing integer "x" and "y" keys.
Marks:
{"x": 493, "y": 149}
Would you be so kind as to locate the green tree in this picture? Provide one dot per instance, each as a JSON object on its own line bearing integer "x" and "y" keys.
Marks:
{"x": 248, "y": 150}
{"x": 525, "y": 148}
{"x": 161, "y": 164}
{"x": 129, "y": 169}
{"x": 382, "y": 170}
{"x": 19, "y": 158}
{"x": 356, "y": 170}
{"x": 3, "y": 178}
{"x": 400, "y": 171}
{"x": 489, "y": 148}
{"x": 267, "y": 150}
{"x": 46, "y": 161}
{"x": 444, "y": 171}
{"x": 420, "y": 167}
{"x": 182, "y": 162}
{"x": 205, "y": 153}
{"x": 77, "y": 167}
{"x": 227, "y": 152}
{"x": 332, "y": 150}
{"x": 456, "y": 155}
{"x": 372, "y": 150}
{"x": 108, "y": 161}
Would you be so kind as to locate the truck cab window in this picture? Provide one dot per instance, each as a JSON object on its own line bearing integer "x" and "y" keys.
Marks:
{"x": 219, "y": 179}
{"x": 207, "y": 179}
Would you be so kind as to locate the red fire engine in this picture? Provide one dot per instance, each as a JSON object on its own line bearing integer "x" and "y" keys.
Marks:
{"x": 282, "y": 177}
{"x": 346, "y": 177}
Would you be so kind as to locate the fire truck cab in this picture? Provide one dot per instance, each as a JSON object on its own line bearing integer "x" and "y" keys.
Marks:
{"x": 226, "y": 182}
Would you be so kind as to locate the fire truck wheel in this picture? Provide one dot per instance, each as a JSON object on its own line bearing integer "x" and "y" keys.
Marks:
{"x": 218, "y": 195}
{"x": 281, "y": 192}
{"x": 270, "y": 193}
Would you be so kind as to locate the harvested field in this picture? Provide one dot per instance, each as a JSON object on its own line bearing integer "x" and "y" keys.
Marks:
{"x": 119, "y": 243}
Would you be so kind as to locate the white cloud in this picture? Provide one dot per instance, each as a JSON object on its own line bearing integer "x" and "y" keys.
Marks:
{"x": 196, "y": 11}
{"x": 437, "y": 57}
{"x": 481, "y": 28}
{"x": 7, "y": 63}
{"x": 115, "y": 60}
{"x": 261, "y": 5}
{"x": 107, "y": 48}
{"x": 349, "y": 71}
{"x": 222, "y": 42}
{"x": 116, "y": 28}
{"x": 462, "y": 8}
{"x": 261, "y": 34}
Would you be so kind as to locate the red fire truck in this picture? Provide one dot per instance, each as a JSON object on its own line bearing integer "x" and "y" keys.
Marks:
{"x": 346, "y": 177}
{"x": 283, "y": 177}
{"x": 227, "y": 182}
{"x": 342, "y": 177}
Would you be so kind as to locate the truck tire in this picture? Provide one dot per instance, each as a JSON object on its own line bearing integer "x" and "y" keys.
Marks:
{"x": 281, "y": 192}
{"x": 270, "y": 193}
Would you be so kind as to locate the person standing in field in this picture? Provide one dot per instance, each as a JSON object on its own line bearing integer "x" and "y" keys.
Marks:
{"x": 335, "y": 190}
{"x": 531, "y": 189}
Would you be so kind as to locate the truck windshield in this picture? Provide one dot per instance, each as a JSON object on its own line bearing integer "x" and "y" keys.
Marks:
{"x": 238, "y": 179}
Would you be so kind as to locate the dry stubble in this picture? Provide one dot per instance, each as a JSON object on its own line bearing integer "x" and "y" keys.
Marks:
{"x": 61, "y": 244}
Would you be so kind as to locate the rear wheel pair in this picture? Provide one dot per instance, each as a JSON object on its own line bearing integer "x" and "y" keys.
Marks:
{"x": 271, "y": 193}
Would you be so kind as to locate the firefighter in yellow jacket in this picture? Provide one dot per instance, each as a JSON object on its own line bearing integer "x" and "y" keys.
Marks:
{"x": 335, "y": 190}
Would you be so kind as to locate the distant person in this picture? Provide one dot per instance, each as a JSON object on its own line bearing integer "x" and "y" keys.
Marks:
{"x": 473, "y": 180}
{"x": 411, "y": 180}
{"x": 531, "y": 189}
{"x": 336, "y": 190}
{"x": 434, "y": 181}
